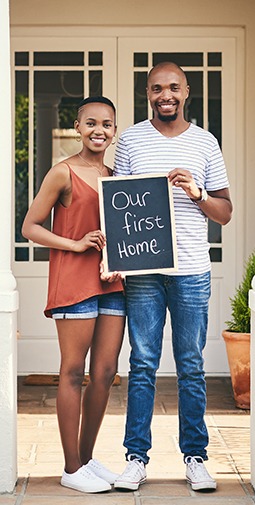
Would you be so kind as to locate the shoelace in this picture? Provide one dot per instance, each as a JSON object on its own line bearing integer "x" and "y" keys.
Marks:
{"x": 86, "y": 472}
{"x": 130, "y": 470}
{"x": 197, "y": 469}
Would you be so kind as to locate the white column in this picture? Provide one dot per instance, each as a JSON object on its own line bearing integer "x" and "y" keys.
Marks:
{"x": 8, "y": 293}
{"x": 252, "y": 307}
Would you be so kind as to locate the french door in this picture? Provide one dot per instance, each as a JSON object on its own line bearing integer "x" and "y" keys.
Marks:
{"x": 49, "y": 82}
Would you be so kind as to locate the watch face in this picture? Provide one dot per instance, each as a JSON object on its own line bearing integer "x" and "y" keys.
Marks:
{"x": 204, "y": 195}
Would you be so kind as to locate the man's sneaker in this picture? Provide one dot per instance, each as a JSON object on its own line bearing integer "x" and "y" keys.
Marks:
{"x": 84, "y": 480}
{"x": 133, "y": 475}
{"x": 101, "y": 471}
{"x": 197, "y": 475}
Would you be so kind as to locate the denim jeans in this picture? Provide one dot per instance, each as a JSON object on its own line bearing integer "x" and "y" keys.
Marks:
{"x": 148, "y": 297}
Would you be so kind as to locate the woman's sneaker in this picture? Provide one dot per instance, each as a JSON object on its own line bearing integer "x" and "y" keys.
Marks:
{"x": 101, "y": 471}
{"x": 197, "y": 475}
{"x": 133, "y": 475}
{"x": 84, "y": 480}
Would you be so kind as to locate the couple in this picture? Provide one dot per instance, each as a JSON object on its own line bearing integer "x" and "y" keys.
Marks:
{"x": 90, "y": 307}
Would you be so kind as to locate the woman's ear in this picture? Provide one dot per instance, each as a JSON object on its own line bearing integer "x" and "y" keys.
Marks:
{"x": 76, "y": 125}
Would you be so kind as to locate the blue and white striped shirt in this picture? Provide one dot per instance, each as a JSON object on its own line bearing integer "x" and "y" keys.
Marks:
{"x": 142, "y": 149}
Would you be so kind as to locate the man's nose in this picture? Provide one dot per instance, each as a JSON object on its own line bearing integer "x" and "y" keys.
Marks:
{"x": 167, "y": 93}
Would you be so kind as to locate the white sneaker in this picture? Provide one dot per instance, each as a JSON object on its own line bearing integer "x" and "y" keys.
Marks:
{"x": 197, "y": 475}
{"x": 133, "y": 475}
{"x": 84, "y": 480}
{"x": 101, "y": 471}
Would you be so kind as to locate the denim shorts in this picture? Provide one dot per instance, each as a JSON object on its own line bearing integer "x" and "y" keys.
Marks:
{"x": 110, "y": 304}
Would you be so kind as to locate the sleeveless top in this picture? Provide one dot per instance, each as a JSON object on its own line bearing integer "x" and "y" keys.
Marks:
{"x": 74, "y": 277}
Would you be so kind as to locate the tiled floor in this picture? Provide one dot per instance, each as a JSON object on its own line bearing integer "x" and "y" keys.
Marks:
{"x": 41, "y": 460}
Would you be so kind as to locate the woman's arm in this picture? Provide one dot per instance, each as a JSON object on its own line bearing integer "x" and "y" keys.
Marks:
{"x": 56, "y": 185}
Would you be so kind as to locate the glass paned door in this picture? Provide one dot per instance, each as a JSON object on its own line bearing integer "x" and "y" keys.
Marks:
{"x": 48, "y": 87}
{"x": 203, "y": 107}
{"x": 209, "y": 64}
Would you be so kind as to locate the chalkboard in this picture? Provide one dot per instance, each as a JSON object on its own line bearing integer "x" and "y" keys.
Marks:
{"x": 137, "y": 217}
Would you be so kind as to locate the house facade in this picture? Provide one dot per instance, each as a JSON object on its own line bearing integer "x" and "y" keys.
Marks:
{"x": 60, "y": 53}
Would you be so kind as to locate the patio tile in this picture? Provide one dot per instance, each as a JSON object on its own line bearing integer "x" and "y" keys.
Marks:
{"x": 159, "y": 487}
{"x": 197, "y": 500}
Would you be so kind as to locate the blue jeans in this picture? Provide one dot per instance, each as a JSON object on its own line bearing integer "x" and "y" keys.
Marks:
{"x": 148, "y": 297}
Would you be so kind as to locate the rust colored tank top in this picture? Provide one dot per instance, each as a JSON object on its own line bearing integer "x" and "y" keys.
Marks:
{"x": 74, "y": 277}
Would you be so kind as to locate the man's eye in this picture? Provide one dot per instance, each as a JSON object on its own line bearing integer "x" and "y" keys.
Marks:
{"x": 90, "y": 124}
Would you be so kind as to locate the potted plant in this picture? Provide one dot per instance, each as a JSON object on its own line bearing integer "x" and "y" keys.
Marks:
{"x": 237, "y": 338}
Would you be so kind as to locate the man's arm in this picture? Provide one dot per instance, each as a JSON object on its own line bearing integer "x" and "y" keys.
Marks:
{"x": 218, "y": 206}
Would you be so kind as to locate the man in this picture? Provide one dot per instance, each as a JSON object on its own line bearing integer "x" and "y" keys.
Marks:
{"x": 193, "y": 161}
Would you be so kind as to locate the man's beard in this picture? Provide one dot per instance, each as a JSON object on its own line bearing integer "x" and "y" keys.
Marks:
{"x": 167, "y": 119}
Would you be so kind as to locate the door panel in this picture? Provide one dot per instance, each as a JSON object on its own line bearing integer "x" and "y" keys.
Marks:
{"x": 49, "y": 83}
{"x": 209, "y": 64}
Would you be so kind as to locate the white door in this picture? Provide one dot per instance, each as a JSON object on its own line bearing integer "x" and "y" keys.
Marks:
{"x": 51, "y": 75}
{"x": 210, "y": 66}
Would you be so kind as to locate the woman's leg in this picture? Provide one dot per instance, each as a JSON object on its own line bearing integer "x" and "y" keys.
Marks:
{"x": 105, "y": 349}
{"x": 75, "y": 337}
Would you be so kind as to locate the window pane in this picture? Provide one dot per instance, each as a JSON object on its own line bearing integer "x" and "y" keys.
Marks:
{"x": 41, "y": 254}
{"x": 140, "y": 59}
{"x": 214, "y": 59}
{"x": 214, "y": 232}
{"x": 56, "y": 95}
{"x": 214, "y": 104}
{"x": 21, "y": 59}
{"x": 96, "y": 58}
{"x": 194, "y": 104}
{"x": 21, "y": 152}
{"x": 57, "y": 59}
{"x": 21, "y": 254}
{"x": 215, "y": 255}
{"x": 181, "y": 59}
{"x": 95, "y": 83}
{"x": 140, "y": 97}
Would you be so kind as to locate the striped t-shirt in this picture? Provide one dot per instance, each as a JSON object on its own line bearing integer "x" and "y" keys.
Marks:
{"x": 142, "y": 149}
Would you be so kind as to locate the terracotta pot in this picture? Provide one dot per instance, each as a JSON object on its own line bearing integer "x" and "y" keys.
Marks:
{"x": 238, "y": 352}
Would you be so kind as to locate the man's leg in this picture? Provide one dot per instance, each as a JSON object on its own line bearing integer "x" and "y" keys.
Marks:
{"x": 188, "y": 304}
{"x": 188, "y": 298}
{"x": 146, "y": 311}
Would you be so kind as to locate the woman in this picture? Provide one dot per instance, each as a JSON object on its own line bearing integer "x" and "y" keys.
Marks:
{"x": 89, "y": 309}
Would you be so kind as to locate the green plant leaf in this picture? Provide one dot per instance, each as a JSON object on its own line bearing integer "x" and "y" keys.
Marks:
{"x": 240, "y": 315}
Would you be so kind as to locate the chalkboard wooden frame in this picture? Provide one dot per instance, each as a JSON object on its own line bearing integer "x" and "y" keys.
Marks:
{"x": 141, "y": 193}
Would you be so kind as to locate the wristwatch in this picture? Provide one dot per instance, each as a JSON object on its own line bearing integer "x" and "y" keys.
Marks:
{"x": 203, "y": 196}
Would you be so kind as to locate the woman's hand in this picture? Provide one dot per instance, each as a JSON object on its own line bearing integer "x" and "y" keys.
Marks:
{"x": 94, "y": 239}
